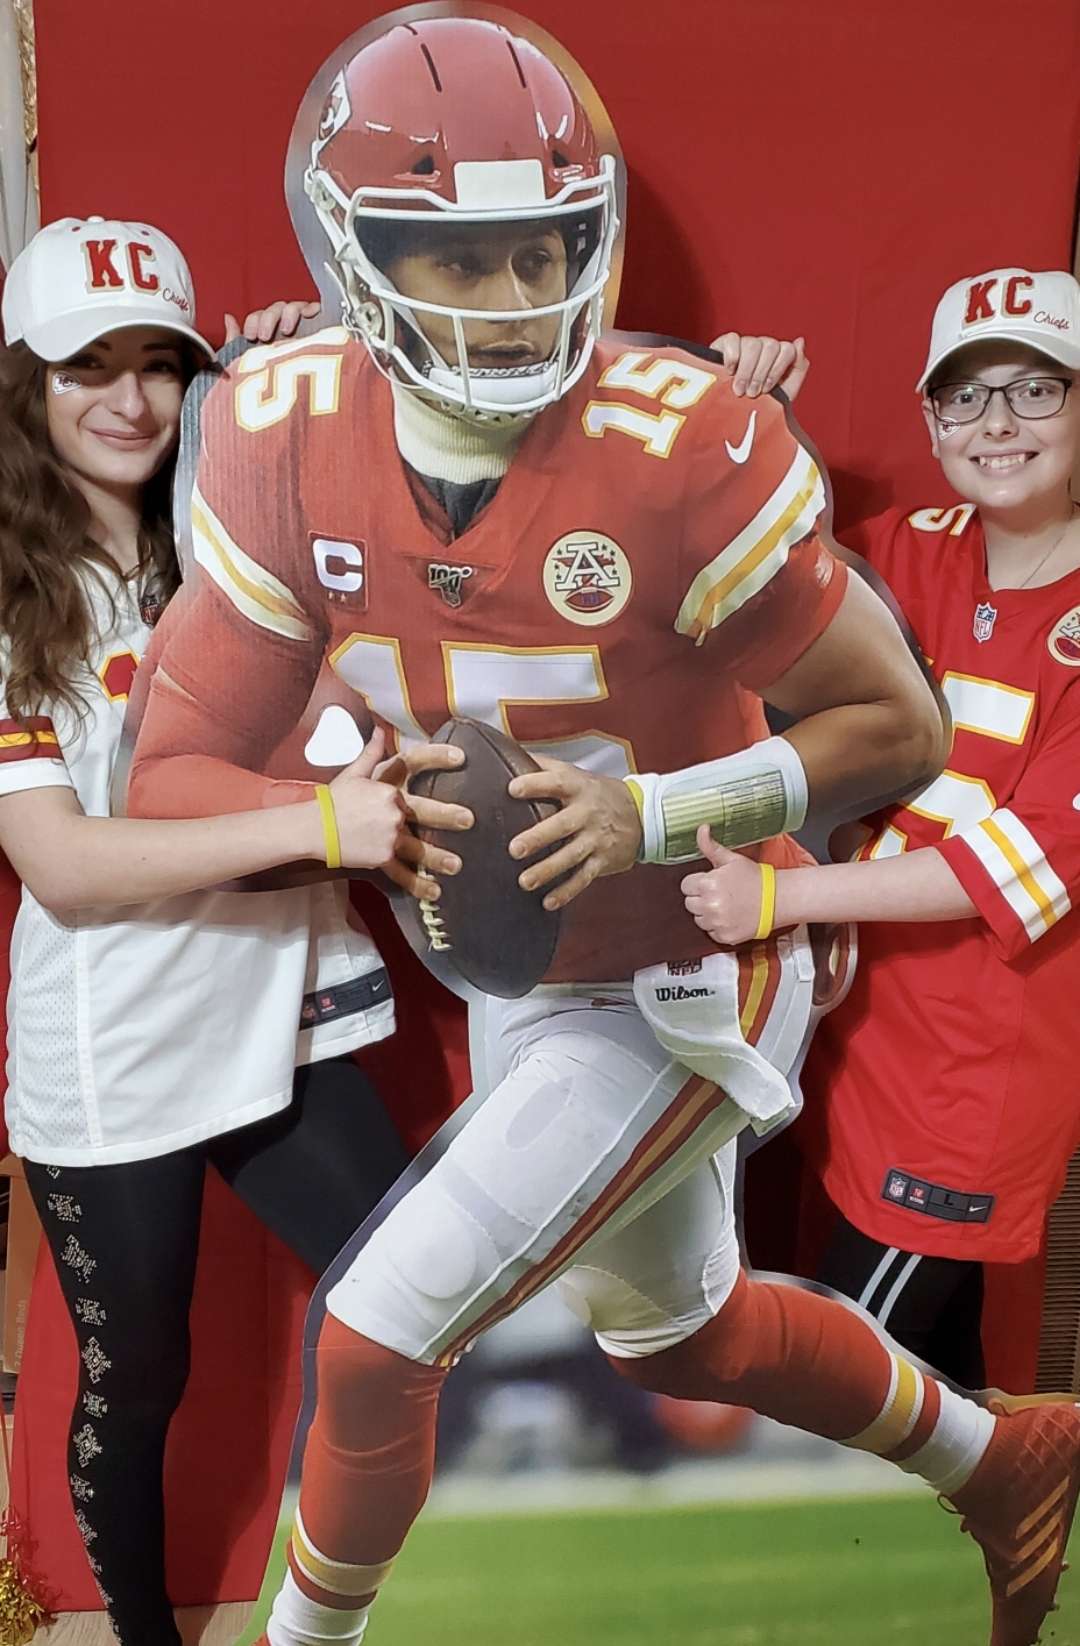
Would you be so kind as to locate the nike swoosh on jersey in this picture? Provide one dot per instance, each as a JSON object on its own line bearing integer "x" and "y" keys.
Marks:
{"x": 741, "y": 452}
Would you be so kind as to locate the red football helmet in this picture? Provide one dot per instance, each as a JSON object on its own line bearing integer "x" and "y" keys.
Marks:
{"x": 455, "y": 120}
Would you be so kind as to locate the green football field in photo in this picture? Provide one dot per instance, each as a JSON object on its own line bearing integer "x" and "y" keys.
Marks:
{"x": 858, "y": 1572}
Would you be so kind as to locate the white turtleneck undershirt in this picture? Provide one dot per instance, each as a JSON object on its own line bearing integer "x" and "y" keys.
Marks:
{"x": 440, "y": 446}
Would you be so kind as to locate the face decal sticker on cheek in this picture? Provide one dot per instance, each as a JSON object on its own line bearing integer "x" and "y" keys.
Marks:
{"x": 62, "y": 382}
{"x": 946, "y": 427}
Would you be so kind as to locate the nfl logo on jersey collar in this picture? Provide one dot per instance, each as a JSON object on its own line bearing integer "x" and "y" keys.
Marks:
{"x": 985, "y": 618}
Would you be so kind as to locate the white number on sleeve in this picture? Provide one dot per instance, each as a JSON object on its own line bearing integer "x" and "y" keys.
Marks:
{"x": 954, "y": 799}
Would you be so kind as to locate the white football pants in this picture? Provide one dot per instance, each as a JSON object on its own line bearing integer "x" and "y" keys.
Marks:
{"x": 604, "y": 1156}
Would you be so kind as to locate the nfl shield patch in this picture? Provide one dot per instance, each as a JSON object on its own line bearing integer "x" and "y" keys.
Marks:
{"x": 985, "y": 618}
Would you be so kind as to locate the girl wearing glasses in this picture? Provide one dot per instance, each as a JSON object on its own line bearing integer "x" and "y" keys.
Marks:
{"x": 947, "y": 1076}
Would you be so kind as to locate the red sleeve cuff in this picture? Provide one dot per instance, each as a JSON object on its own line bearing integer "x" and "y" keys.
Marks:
{"x": 1007, "y": 932}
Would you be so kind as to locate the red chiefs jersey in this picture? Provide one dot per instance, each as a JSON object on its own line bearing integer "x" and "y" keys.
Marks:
{"x": 648, "y": 512}
{"x": 948, "y": 1074}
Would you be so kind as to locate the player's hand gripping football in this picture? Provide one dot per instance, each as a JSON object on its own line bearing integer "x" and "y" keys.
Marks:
{"x": 725, "y": 900}
{"x": 758, "y": 364}
{"x": 597, "y": 823}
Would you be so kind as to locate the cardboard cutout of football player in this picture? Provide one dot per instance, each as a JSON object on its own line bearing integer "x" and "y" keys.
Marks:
{"x": 469, "y": 501}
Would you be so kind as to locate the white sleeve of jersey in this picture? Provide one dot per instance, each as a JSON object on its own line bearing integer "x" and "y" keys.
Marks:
{"x": 30, "y": 753}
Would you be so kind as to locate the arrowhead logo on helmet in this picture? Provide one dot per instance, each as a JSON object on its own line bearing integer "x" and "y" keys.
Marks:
{"x": 455, "y": 125}
{"x": 335, "y": 112}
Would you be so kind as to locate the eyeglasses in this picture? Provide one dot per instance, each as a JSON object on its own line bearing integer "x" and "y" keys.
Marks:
{"x": 1028, "y": 397}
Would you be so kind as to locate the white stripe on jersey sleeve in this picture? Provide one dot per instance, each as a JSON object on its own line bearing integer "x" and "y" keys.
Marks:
{"x": 254, "y": 591}
{"x": 746, "y": 564}
{"x": 1020, "y": 869}
{"x": 17, "y": 775}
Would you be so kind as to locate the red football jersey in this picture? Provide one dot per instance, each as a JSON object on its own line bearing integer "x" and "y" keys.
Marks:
{"x": 648, "y": 510}
{"x": 947, "y": 1075}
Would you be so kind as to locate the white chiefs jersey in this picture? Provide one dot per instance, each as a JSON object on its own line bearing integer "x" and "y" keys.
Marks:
{"x": 138, "y": 1030}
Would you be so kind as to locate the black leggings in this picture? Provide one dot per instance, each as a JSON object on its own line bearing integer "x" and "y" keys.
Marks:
{"x": 125, "y": 1239}
{"x": 930, "y": 1305}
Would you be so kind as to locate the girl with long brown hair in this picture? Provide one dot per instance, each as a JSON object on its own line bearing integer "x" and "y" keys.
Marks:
{"x": 153, "y": 1026}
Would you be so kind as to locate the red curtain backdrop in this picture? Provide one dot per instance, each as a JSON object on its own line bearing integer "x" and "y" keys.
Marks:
{"x": 823, "y": 169}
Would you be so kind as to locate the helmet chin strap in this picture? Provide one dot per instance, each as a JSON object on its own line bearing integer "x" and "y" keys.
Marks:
{"x": 509, "y": 389}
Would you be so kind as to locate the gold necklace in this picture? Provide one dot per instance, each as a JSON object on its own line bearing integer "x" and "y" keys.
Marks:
{"x": 1055, "y": 545}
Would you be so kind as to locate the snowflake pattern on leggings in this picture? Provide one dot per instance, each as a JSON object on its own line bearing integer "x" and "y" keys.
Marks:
{"x": 95, "y": 1360}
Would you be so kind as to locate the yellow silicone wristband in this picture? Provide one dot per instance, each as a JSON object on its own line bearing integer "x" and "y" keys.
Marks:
{"x": 638, "y": 797}
{"x": 639, "y": 806}
{"x": 768, "y": 901}
{"x": 329, "y": 825}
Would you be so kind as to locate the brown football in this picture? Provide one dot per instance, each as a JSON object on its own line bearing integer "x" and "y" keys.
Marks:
{"x": 491, "y": 933}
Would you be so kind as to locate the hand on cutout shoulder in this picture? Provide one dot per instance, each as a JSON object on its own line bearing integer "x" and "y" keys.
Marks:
{"x": 758, "y": 364}
{"x": 271, "y": 324}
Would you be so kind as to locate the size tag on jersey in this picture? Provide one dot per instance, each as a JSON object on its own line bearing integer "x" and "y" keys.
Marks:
{"x": 342, "y": 569}
{"x": 952, "y": 1205}
{"x": 360, "y": 994}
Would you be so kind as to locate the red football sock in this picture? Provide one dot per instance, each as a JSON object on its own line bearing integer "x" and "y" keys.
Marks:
{"x": 787, "y": 1352}
{"x": 367, "y": 1466}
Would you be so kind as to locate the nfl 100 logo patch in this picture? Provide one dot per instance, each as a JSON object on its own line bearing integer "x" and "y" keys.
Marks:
{"x": 985, "y": 618}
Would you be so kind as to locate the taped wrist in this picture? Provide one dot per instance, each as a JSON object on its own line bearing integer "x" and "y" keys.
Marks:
{"x": 746, "y": 797}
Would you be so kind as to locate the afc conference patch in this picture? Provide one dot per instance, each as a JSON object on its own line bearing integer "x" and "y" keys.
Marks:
{"x": 587, "y": 577}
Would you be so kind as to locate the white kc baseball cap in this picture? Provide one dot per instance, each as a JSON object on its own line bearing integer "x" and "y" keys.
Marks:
{"x": 78, "y": 279}
{"x": 1040, "y": 310}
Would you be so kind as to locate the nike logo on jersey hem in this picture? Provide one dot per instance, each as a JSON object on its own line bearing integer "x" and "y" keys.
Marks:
{"x": 741, "y": 452}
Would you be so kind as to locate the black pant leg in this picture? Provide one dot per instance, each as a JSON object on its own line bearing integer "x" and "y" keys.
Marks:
{"x": 313, "y": 1172}
{"x": 930, "y": 1305}
{"x": 124, "y": 1239}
